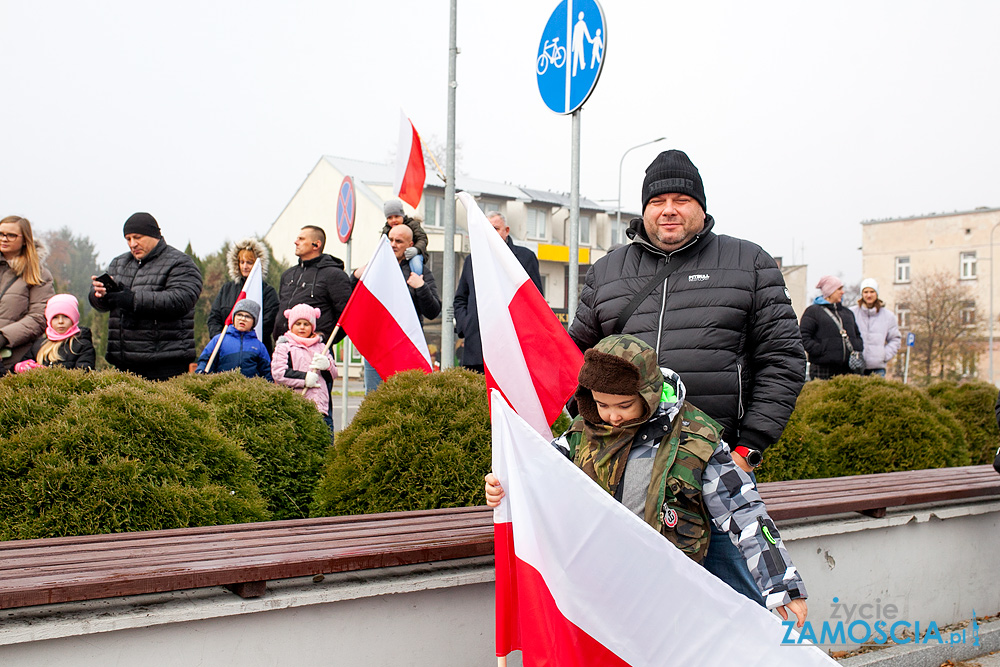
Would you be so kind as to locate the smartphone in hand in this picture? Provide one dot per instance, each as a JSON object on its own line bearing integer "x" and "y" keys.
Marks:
{"x": 109, "y": 283}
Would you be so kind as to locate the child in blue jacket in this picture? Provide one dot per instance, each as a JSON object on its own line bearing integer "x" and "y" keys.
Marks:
{"x": 240, "y": 346}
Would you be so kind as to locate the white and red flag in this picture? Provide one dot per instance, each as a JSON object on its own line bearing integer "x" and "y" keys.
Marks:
{"x": 527, "y": 353}
{"x": 410, "y": 172}
{"x": 588, "y": 583}
{"x": 381, "y": 320}
{"x": 253, "y": 289}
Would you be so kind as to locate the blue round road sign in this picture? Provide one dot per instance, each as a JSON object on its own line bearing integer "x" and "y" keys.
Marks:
{"x": 345, "y": 210}
{"x": 571, "y": 54}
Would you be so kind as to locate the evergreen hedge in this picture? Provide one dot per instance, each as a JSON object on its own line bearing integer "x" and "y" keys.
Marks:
{"x": 110, "y": 452}
{"x": 854, "y": 425}
{"x": 418, "y": 442}
{"x": 972, "y": 404}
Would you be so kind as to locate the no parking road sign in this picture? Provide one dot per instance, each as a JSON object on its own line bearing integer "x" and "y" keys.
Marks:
{"x": 571, "y": 54}
{"x": 345, "y": 210}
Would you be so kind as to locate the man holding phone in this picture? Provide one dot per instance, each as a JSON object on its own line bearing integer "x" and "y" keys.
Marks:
{"x": 318, "y": 280}
{"x": 150, "y": 292}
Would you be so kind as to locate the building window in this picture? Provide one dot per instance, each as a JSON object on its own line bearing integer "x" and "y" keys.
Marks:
{"x": 545, "y": 284}
{"x": 968, "y": 313}
{"x": 617, "y": 231}
{"x": 489, "y": 207}
{"x": 584, "y": 230}
{"x": 967, "y": 270}
{"x": 536, "y": 224}
{"x": 902, "y": 269}
{"x": 903, "y": 315}
{"x": 968, "y": 365}
{"x": 433, "y": 211}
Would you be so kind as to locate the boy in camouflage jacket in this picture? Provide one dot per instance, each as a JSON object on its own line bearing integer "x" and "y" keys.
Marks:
{"x": 665, "y": 460}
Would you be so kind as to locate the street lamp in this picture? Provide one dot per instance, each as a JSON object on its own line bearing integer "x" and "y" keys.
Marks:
{"x": 618, "y": 222}
{"x": 991, "y": 299}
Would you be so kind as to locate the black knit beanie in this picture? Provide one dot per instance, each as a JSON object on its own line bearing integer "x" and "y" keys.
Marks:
{"x": 673, "y": 171}
{"x": 142, "y": 223}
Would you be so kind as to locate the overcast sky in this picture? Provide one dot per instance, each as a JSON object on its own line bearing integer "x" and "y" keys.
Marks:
{"x": 804, "y": 118}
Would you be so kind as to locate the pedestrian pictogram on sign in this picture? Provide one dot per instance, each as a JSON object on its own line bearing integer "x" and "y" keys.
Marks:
{"x": 571, "y": 54}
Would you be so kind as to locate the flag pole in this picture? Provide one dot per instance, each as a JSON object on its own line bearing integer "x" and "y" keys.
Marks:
{"x": 326, "y": 349}
{"x": 433, "y": 159}
{"x": 218, "y": 344}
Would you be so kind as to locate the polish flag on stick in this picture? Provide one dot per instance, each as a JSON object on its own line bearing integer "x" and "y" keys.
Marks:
{"x": 410, "y": 172}
{"x": 253, "y": 289}
{"x": 381, "y": 320}
{"x": 587, "y": 582}
{"x": 528, "y": 355}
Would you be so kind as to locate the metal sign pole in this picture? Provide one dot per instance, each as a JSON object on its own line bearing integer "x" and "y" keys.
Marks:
{"x": 346, "y": 348}
{"x": 574, "y": 223}
{"x": 906, "y": 367}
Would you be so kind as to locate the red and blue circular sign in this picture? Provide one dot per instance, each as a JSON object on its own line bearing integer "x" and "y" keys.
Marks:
{"x": 346, "y": 209}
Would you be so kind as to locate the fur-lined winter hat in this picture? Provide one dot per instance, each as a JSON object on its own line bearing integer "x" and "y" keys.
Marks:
{"x": 251, "y": 245}
{"x": 623, "y": 365}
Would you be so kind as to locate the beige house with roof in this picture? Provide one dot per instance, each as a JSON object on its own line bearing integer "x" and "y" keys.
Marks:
{"x": 896, "y": 251}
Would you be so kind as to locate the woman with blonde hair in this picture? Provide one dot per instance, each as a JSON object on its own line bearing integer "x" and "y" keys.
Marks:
{"x": 25, "y": 287}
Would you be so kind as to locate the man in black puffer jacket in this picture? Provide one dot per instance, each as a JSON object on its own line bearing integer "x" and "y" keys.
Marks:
{"x": 151, "y": 326}
{"x": 318, "y": 280}
{"x": 722, "y": 318}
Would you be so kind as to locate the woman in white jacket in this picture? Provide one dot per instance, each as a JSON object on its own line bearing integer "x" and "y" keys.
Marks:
{"x": 878, "y": 328}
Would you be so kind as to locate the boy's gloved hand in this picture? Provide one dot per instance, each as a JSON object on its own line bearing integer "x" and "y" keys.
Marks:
{"x": 410, "y": 252}
{"x": 320, "y": 362}
{"x": 312, "y": 380}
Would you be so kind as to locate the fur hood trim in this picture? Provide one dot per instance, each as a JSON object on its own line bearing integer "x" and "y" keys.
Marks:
{"x": 254, "y": 246}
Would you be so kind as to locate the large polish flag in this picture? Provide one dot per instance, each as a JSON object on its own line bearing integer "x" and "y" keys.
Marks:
{"x": 381, "y": 320}
{"x": 253, "y": 289}
{"x": 587, "y": 582}
{"x": 527, "y": 353}
{"x": 410, "y": 172}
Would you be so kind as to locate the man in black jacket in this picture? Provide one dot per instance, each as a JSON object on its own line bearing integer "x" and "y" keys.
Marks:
{"x": 717, "y": 312}
{"x": 151, "y": 326}
{"x": 317, "y": 280}
{"x": 466, "y": 310}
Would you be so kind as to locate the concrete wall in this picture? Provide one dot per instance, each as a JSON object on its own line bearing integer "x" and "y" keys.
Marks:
{"x": 932, "y": 563}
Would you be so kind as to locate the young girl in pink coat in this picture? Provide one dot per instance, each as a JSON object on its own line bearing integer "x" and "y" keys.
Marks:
{"x": 300, "y": 359}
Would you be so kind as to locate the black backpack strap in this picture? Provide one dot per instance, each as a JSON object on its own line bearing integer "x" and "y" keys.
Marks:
{"x": 641, "y": 295}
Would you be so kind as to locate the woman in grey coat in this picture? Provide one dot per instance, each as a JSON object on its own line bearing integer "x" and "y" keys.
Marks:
{"x": 878, "y": 328}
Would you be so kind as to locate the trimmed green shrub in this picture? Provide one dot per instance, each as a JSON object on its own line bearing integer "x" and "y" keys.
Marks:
{"x": 854, "y": 425}
{"x": 418, "y": 442}
{"x": 127, "y": 455}
{"x": 972, "y": 404}
{"x": 283, "y": 432}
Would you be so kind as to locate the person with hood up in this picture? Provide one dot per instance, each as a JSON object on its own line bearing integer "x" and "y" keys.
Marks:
{"x": 642, "y": 442}
{"x": 317, "y": 280}
{"x": 240, "y": 260}
{"x": 878, "y": 328}
{"x": 829, "y": 332}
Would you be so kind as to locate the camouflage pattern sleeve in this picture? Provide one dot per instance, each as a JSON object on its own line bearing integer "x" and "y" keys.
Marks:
{"x": 732, "y": 500}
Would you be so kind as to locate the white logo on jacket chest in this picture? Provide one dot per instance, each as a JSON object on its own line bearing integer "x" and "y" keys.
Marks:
{"x": 698, "y": 277}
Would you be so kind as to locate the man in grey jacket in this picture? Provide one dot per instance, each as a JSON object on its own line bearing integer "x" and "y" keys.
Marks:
{"x": 716, "y": 310}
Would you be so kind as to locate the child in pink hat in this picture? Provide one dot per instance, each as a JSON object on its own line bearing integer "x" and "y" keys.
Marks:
{"x": 65, "y": 343}
{"x": 300, "y": 359}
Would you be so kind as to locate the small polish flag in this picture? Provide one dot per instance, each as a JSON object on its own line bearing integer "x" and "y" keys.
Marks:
{"x": 253, "y": 289}
{"x": 381, "y": 320}
{"x": 582, "y": 581}
{"x": 410, "y": 172}
{"x": 527, "y": 353}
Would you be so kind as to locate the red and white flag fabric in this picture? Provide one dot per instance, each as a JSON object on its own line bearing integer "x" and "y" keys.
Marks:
{"x": 381, "y": 320}
{"x": 588, "y": 583}
{"x": 410, "y": 172}
{"x": 253, "y": 289}
{"x": 527, "y": 353}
